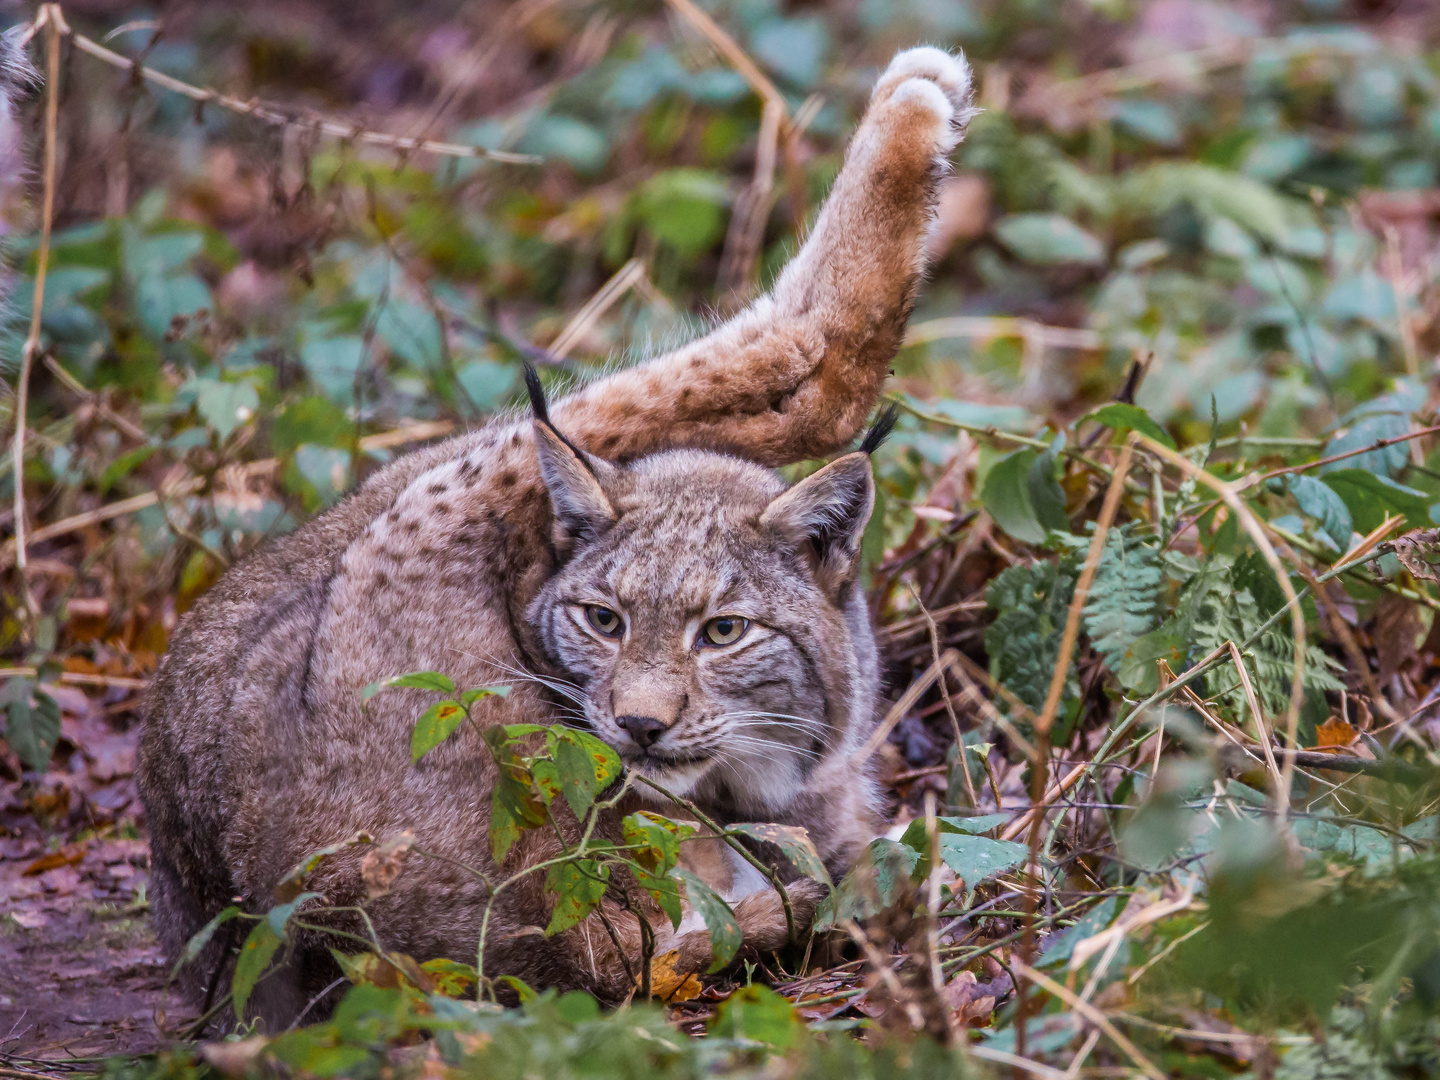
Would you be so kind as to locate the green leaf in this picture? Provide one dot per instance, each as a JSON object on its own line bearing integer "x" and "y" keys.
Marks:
{"x": 1367, "y": 431}
{"x": 975, "y": 858}
{"x": 576, "y": 771}
{"x": 685, "y": 209}
{"x": 196, "y": 945}
{"x": 1049, "y": 239}
{"x": 1369, "y": 498}
{"x": 225, "y": 405}
{"x": 254, "y": 958}
{"x": 582, "y": 146}
{"x": 757, "y": 1014}
{"x": 278, "y": 916}
{"x": 577, "y": 887}
{"x": 657, "y": 840}
{"x": 603, "y": 759}
{"x": 718, "y": 918}
{"x": 32, "y": 728}
{"x": 435, "y": 725}
{"x": 1124, "y": 599}
{"x": 412, "y": 333}
{"x": 333, "y": 364}
{"x": 880, "y": 878}
{"x": 469, "y": 697}
{"x": 486, "y": 383}
{"x": 1122, "y": 418}
{"x": 160, "y": 299}
{"x": 314, "y": 420}
{"x": 122, "y": 466}
{"x": 1023, "y": 497}
{"x": 415, "y": 680}
{"x": 794, "y": 842}
{"x": 323, "y": 474}
{"x": 1319, "y": 501}
{"x": 515, "y": 805}
{"x": 1023, "y": 642}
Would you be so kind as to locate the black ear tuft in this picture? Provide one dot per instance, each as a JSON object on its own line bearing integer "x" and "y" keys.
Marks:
{"x": 536, "y": 390}
{"x": 541, "y": 412}
{"x": 880, "y": 429}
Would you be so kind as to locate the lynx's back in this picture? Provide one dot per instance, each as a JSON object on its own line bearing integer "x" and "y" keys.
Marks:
{"x": 257, "y": 750}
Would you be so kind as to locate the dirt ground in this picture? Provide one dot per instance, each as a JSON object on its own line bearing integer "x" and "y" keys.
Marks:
{"x": 81, "y": 975}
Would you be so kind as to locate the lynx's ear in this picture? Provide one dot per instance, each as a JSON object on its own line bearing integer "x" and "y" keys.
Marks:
{"x": 825, "y": 516}
{"x": 575, "y": 480}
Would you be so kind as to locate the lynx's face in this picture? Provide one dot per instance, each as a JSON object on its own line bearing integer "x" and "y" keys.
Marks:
{"x": 706, "y": 623}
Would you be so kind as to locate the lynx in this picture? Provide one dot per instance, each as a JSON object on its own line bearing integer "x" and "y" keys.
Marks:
{"x": 629, "y": 562}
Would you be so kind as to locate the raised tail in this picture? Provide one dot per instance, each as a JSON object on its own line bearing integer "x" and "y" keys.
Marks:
{"x": 795, "y": 375}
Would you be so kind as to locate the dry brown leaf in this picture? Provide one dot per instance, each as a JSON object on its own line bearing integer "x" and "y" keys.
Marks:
{"x": 234, "y": 1058}
{"x": 1397, "y": 634}
{"x": 68, "y": 855}
{"x": 1334, "y": 733}
{"x": 668, "y": 984}
{"x": 381, "y": 867}
{"x": 1419, "y": 552}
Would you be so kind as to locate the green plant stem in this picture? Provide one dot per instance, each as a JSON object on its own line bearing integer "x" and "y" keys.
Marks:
{"x": 1368, "y": 579}
{"x": 768, "y": 872}
{"x": 990, "y": 432}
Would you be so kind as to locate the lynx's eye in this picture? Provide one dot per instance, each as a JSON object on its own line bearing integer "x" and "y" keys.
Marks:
{"x": 726, "y": 630}
{"x": 604, "y": 621}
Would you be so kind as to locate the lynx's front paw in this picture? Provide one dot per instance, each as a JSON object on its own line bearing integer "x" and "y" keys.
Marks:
{"x": 935, "y": 81}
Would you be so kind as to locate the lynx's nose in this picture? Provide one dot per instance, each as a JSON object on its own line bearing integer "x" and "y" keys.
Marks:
{"x": 643, "y": 729}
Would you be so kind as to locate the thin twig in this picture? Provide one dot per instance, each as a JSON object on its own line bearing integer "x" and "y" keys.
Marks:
{"x": 52, "y": 20}
{"x": 269, "y": 114}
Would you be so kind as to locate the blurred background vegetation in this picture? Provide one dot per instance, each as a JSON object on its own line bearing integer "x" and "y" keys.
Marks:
{"x": 1225, "y": 213}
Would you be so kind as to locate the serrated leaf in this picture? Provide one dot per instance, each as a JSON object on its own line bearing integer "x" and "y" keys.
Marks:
{"x": 577, "y": 887}
{"x": 1122, "y": 418}
{"x": 32, "y": 727}
{"x": 1023, "y": 642}
{"x": 719, "y": 920}
{"x": 1124, "y": 599}
{"x": 254, "y": 958}
{"x": 794, "y": 842}
{"x": 435, "y": 725}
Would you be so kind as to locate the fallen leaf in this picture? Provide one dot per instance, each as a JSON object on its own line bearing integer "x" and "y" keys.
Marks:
{"x": 30, "y": 920}
{"x": 1397, "y": 634}
{"x": 381, "y": 867}
{"x": 61, "y": 881}
{"x": 234, "y": 1058}
{"x": 66, "y": 856}
{"x": 670, "y": 985}
{"x": 1419, "y": 552}
{"x": 1334, "y": 733}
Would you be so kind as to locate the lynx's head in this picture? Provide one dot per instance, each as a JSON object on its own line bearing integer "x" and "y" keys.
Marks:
{"x": 708, "y": 619}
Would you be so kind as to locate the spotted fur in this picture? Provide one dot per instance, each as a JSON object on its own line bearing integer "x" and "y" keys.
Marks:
{"x": 469, "y": 557}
